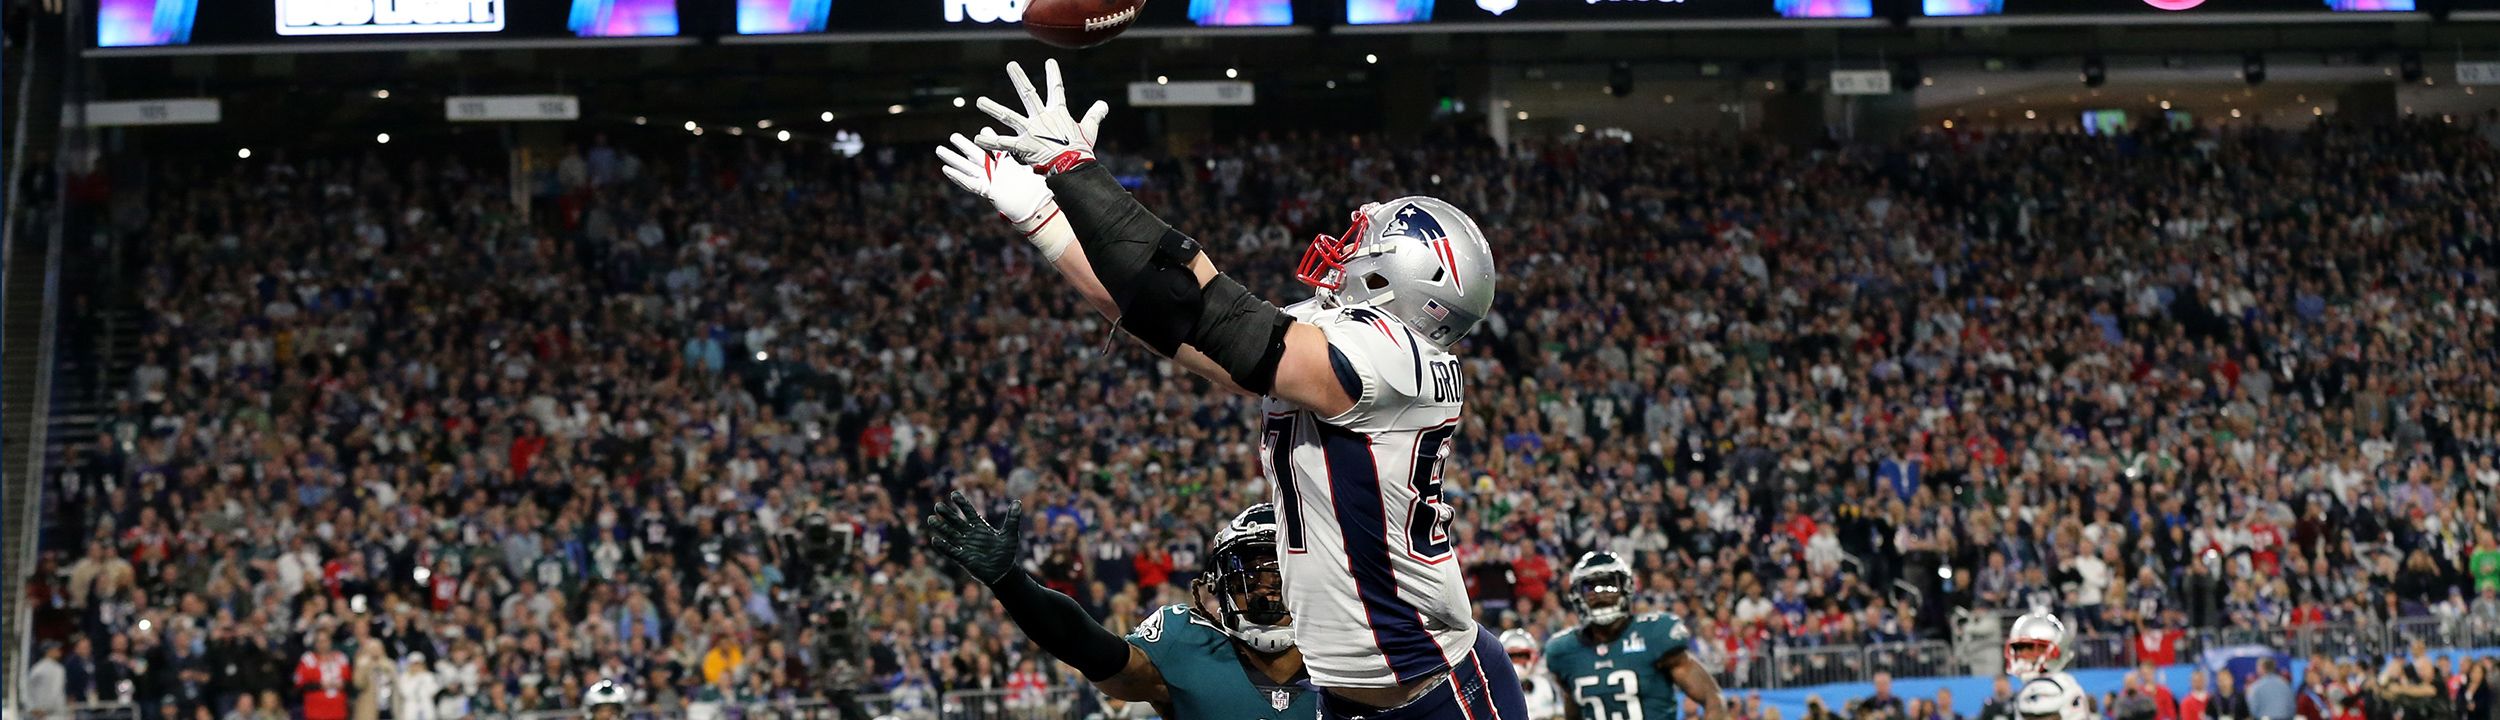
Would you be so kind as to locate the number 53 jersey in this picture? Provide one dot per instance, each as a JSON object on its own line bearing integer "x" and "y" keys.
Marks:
{"x": 1377, "y": 596}
{"x": 1619, "y": 680}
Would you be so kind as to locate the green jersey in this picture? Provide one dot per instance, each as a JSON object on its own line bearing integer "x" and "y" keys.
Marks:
{"x": 1620, "y": 680}
{"x": 1209, "y": 678}
{"x": 2486, "y": 565}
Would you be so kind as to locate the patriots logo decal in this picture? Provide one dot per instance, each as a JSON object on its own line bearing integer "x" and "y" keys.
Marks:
{"x": 1415, "y": 222}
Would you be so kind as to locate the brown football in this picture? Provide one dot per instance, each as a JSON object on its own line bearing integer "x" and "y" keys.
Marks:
{"x": 1079, "y": 23}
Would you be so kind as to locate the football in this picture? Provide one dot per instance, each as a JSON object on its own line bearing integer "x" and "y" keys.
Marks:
{"x": 1079, "y": 23}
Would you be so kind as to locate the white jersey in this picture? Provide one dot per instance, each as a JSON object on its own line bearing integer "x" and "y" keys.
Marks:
{"x": 1545, "y": 698}
{"x": 1374, "y": 586}
{"x": 2082, "y": 709}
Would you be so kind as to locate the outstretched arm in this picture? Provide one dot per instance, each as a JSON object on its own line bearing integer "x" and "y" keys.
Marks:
{"x": 1052, "y": 620}
{"x": 1168, "y": 293}
{"x": 1695, "y": 680}
{"x": 1025, "y": 200}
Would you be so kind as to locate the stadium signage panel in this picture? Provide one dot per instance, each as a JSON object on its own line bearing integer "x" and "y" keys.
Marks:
{"x": 2478, "y": 73}
{"x": 984, "y": 11}
{"x": 479, "y": 108}
{"x": 388, "y": 17}
{"x": 1861, "y": 82}
{"x": 1192, "y": 93}
{"x": 127, "y": 113}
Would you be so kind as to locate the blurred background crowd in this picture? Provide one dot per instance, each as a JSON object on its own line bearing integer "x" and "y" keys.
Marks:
{"x": 390, "y": 443}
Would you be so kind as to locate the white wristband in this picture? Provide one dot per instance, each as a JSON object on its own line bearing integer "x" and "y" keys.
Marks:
{"x": 1051, "y": 235}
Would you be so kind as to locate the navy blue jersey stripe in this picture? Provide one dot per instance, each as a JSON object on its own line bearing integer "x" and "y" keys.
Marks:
{"x": 1363, "y": 518}
{"x": 1346, "y": 377}
{"x": 1501, "y": 683}
{"x": 1416, "y": 349}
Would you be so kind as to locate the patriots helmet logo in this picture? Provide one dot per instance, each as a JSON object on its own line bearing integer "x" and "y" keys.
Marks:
{"x": 1418, "y": 223}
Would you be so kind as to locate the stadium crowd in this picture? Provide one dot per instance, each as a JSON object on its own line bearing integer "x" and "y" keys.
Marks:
{"x": 389, "y": 431}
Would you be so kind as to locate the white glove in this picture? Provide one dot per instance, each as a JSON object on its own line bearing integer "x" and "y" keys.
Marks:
{"x": 1021, "y": 196}
{"x": 1047, "y": 137}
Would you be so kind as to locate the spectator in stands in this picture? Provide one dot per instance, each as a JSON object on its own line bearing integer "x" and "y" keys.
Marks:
{"x": 2192, "y": 706}
{"x": 2269, "y": 695}
{"x": 47, "y": 696}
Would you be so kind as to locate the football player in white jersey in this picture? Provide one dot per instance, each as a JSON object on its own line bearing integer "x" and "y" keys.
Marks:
{"x": 1361, "y": 398}
{"x": 2035, "y": 654}
{"x": 1545, "y": 700}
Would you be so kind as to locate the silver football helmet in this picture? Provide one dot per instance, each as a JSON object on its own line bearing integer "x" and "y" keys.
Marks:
{"x": 2035, "y": 645}
{"x": 605, "y": 701}
{"x": 1415, "y": 257}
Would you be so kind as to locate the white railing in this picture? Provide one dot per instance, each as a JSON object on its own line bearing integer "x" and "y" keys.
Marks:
{"x": 1052, "y": 704}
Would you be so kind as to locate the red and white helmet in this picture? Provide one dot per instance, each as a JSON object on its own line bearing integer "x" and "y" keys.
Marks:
{"x": 2036, "y": 644}
{"x": 1417, "y": 258}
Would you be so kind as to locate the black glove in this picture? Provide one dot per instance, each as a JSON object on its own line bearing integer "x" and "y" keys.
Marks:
{"x": 988, "y": 552}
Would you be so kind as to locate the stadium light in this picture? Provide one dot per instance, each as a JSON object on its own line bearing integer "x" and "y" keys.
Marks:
{"x": 826, "y": 116}
{"x": 893, "y": 109}
{"x": 1371, "y": 59}
{"x": 640, "y": 120}
{"x": 1232, "y": 72}
{"x": 243, "y": 153}
{"x": 381, "y": 94}
{"x": 1163, "y": 80}
{"x": 784, "y": 136}
{"x": 383, "y": 138}
{"x": 959, "y": 102}
{"x": 764, "y": 124}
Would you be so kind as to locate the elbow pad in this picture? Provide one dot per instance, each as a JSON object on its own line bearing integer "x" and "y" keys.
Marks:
{"x": 1241, "y": 333}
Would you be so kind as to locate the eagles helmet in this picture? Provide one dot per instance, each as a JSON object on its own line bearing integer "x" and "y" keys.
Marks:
{"x": 1249, "y": 588}
{"x": 1601, "y": 588}
{"x": 2036, "y": 644}
{"x": 607, "y": 695}
{"x": 1417, "y": 258}
{"x": 2048, "y": 699}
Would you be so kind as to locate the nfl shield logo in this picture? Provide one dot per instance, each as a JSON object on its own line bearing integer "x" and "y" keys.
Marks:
{"x": 1279, "y": 699}
{"x": 1434, "y": 309}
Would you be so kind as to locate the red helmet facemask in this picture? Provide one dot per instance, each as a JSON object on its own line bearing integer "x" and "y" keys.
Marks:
{"x": 1323, "y": 264}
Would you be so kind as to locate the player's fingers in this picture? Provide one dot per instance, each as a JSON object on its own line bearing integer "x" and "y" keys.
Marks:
{"x": 1011, "y": 146}
{"x": 1024, "y": 89}
{"x": 972, "y": 514}
{"x": 961, "y": 161}
{"x": 1013, "y": 522}
{"x": 969, "y": 183}
{"x": 1010, "y": 118}
{"x": 1092, "y": 124}
{"x": 964, "y": 146}
{"x": 1056, "y": 91}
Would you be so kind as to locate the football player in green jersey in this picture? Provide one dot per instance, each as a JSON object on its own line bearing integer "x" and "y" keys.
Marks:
{"x": 1616, "y": 666}
{"x": 1229, "y": 657}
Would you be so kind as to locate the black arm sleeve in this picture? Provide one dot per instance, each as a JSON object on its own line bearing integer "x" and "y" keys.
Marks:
{"x": 1119, "y": 235}
{"x": 1061, "y": 627}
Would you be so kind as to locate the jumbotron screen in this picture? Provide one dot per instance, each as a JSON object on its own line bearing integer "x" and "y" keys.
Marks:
{"x": 144, "y": 23}
{"x": 1958, "y": 8}
{"x": 782, "y": 17}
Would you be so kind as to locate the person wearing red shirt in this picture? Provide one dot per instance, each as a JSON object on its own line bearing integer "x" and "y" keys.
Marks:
{"x": 1154, "y": 568}
{"x": 322, "y": 678}
{"x": 1535, "y": 575}
{"x": 2165, "y": 704}
{"x": 2157, "y": 646}
{"x": 525, "y": 449}
{"x": 2192, "y": 707}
